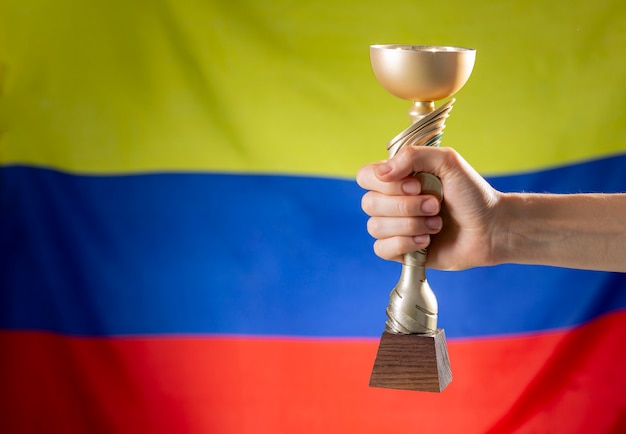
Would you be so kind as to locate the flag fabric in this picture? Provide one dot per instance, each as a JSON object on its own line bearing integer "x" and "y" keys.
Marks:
{"x": 181, "y": 241}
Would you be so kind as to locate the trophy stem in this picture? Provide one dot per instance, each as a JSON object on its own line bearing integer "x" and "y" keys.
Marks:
{"x": 419, "y": 109}
{"x": 412, "y": 304}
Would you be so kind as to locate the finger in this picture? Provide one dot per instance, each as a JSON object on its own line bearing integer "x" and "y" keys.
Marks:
{"x": 387, "y": 227}
{"x": 394, "y": 248}
{"x": 411, "y": 159}
{"x": 367, "y": 179}
{"x": 377, "y": 204}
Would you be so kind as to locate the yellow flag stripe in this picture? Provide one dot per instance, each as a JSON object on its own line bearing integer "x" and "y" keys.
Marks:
{"x": 286, "y": 86}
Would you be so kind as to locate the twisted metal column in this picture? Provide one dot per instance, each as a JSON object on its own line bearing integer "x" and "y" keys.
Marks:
{"x": 412, "y": 304}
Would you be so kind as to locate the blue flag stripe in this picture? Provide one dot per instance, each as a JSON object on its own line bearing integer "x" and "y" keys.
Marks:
{"x": 204, "y": 253}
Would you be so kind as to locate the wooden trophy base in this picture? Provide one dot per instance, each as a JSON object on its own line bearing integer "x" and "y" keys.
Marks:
{"x": 417, "y": 362}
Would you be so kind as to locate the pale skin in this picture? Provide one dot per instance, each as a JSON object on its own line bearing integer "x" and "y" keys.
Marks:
{"x": 477, "y": 226}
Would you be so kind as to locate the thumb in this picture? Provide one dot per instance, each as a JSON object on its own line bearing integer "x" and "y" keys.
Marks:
{"x": 409, "y": 160}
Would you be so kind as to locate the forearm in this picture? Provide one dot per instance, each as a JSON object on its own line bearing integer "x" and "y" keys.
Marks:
{"x": 586, "y": 231}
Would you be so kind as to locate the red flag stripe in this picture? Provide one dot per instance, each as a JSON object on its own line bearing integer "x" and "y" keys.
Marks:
{"x": 569, "y": 381}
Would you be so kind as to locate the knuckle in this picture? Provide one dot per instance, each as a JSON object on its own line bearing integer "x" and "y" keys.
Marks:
{"x": 362, "y": 176}
{"x": 379, "y": 250}
{"x": 367, "y": 203}
{"x": 374, "y": 227}
{"x": 412, "y": 226}
{"x": 411, "y": 150}
{"x": 450, "y": 156}
{"x": 392, "y": 248}
{"x": 406, "y": 206}
{"x": 402, "y": 207}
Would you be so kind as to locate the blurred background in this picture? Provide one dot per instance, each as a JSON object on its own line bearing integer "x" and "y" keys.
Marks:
{"x": 182, "y": 248}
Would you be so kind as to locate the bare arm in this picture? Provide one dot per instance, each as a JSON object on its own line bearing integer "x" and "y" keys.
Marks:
{"x": 480, "y": 226}
{"x": 586, "y": 231}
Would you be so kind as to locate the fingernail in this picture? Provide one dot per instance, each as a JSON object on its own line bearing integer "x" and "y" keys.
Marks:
{"x": 411, "y": 187}
{"x": 430, "y": 206}
{"x": 433, "y": 223}
{"x": 421, "y": 239}
{"x": 382, "y": 169}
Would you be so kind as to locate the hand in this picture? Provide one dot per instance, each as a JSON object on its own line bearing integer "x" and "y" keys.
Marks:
{"x": 458, "y": 232}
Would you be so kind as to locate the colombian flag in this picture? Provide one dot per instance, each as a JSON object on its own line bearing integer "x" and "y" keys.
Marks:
{"x": 182, "y": 248}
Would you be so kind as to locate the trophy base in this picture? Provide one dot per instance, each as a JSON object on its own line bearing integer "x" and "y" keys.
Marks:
{"x": 417, "y": 362}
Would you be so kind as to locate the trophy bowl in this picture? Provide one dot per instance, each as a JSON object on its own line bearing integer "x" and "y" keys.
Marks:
{"x": 422, "y": 73}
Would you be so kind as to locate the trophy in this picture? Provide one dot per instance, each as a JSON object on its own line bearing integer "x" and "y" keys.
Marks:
{"x": 412, "y": 353}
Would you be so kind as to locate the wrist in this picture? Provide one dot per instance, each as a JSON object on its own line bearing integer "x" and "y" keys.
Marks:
{"x": 510, "y": 241}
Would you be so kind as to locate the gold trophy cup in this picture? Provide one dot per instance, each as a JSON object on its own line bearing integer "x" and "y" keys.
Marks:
{"x": 413, "y": 354}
